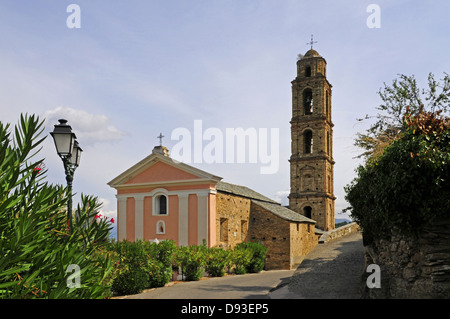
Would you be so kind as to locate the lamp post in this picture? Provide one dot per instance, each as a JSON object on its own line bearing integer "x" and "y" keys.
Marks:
{"x": 70, "y": 152}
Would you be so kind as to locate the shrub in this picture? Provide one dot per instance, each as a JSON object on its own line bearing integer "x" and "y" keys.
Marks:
{"x": 258, "y": 255}
{"x": 160, "y": 265}
{"x": 132, "y": 254}
{"x": 192, "y": 260}
{"x": 163, "y": 252}
{"x": 131, "y": 272}
{"x": 159, "y": 274}
{"x": 217, "y": 259}
{"x": 408, "y": 186}
{"x": 143, "y": 264}
{"x": 130, "y": 281}
{"x": 241, "y": 258}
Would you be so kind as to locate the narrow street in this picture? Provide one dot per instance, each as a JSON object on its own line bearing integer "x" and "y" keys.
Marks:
{"x": 249, "y": 286}
{"x": 331, "y": 270}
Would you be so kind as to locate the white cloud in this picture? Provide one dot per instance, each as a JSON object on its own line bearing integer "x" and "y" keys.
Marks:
{"x": 281, "y": 197}
{"x": 89, "y": 128}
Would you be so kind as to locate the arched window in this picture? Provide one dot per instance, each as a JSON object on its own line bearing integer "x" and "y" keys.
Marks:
{"x": 327, "y": 103}
{"x": 160, "y": 227}
{"x": 308, "y": 101}
{"x": 307, "y": 211}
{"x": 308, "y": 71}
{"x": 308, "y": 141}
{"x": 161, "y": 205}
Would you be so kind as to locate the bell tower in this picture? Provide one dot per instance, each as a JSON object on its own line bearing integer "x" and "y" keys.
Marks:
{"x": 311, "y": 161}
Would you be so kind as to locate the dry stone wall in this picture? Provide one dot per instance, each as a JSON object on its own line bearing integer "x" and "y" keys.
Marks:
{"x": 412, "y": 267}
{"x": 338, "y": 232}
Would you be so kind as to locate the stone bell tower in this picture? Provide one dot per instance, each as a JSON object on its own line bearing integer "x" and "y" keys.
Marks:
{"x": 311, "y": 159}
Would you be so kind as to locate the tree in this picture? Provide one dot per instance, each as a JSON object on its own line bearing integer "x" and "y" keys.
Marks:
{"x": 408, "y": 185}
{"x": 402, "y": 94}
{"x": 37, "y": 250}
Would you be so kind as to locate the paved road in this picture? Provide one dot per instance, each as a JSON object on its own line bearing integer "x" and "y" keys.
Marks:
{"x": 250, "y": 286}
{"x": 331, "y": 270}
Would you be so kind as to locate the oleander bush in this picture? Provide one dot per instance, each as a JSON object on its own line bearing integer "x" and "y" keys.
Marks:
{"x": 160, "y": 267}
{"x": 141, "y": 264}
{"x": 216, "y": 261}
{"x": 192, "y": 259}
{"x": 131, "y": 267}
{"x": 258, "y": 255}
{"x": 241, "y": 259}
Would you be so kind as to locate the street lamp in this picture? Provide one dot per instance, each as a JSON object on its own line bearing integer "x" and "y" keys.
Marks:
{"x": 76, "y": 154}
{"x": 70, "y": 152}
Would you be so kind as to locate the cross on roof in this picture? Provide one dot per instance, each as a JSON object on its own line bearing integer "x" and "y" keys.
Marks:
{"x": 311, "y": 42}
{"x": 160, "y": 138}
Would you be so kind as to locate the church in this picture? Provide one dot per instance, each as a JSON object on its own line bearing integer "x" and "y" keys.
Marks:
{"x": 160, "y": 198}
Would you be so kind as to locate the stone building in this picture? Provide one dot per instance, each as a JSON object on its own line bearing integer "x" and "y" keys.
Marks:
{"x": 312, "y": 176}
{"x": 245, "y": 215}
{"x": 159, "y": 198}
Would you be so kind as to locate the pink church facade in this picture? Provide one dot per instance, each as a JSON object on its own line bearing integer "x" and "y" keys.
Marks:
{"x": 159, "y": 198}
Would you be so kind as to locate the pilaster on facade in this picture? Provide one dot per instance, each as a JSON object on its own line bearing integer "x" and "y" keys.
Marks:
{"x": 183, "y": 219}
{"x": 139, "y": 217}
{"x": 202, "y": 200}
{"x": 121, "y": 217}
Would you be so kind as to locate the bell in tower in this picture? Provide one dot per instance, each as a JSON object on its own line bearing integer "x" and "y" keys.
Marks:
{"x": 311, "y": 160}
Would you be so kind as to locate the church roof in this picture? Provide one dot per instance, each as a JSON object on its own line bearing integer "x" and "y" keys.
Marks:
{"x": 263, "y": 201}
{"x": 242, "y": 191}
{"x": 283, "y": 212}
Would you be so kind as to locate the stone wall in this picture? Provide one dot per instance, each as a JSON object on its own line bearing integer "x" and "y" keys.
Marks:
{"x": 231, "y": 219}
{"x": 274, "y": 233}
{"x": 339, "y": 232}
{"x": 412, "y": 267}
{"x": 238, "y": 220}
{"x": 288, "y": 242}
{"x": 303, "y": 240}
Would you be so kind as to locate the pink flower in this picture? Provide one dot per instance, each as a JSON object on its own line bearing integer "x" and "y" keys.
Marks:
{"x": 97, "y": 216}
{"x": 39, "y": 168}
{"x": 112, "y": 220}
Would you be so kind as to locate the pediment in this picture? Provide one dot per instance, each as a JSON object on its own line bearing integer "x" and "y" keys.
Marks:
{"x": 161, "y": 172}
{"x": 160, "y": 169}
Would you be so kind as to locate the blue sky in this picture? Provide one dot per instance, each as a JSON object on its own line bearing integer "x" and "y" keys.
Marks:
{"x": 138, "y": 68}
